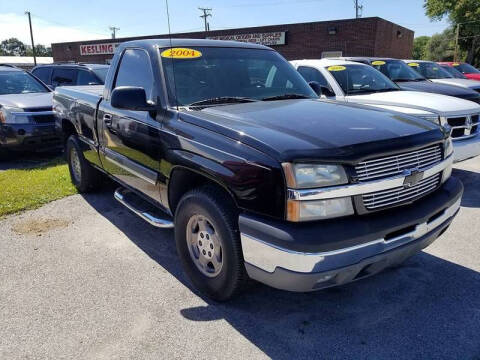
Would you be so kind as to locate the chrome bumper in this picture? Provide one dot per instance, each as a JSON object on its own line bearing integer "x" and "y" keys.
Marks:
{"x": 267, "y": 257}
{"x": 464, "y": 149}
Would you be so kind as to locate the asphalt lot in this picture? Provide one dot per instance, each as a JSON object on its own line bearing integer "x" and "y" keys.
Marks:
{"x": 83, "y": 278}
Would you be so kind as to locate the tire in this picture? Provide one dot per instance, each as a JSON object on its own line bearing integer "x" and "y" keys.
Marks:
{"x": 84, "y": 176}
{"x": 211, "y": 205}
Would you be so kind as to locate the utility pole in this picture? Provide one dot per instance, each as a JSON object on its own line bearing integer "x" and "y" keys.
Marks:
{"x": 31, "y": 37}
{"x": 358, "y": 10}
{"x": 114, "y": 30}
{"x": 206, "y": 14}
{"x": 457, "y": 34}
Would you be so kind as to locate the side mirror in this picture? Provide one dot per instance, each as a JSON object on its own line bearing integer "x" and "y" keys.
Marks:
{"x": 130, "y": 98}
{"x": 320, "y": 89}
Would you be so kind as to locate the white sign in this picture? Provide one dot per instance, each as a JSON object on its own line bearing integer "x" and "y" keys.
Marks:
{"x": 270, "y": 38}
{"x": 98, "y": 49}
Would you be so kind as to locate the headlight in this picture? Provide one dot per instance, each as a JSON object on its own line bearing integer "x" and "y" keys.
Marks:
{"x": 318, "y": 209}
{"x": 433, "y": 118}
{"x": 13, "y": 115}
{"x": 448, "y": 147}
{"x": 301, "y": 176}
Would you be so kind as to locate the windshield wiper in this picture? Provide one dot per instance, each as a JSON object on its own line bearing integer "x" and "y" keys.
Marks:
{"x": 286, "y": 97}
{"x": 404, "y": 80}
{"x": 222, "y": 100}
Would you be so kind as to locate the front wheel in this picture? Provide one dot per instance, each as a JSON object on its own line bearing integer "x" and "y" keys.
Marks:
{"x": 208, "y": 243}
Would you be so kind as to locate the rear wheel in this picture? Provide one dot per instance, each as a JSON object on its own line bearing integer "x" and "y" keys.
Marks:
{"x": 84, "y": 176}
{"x": 208, "y": 243}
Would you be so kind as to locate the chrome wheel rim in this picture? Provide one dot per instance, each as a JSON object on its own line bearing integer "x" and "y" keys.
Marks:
{"x": 204, "y": 245}
{"x": 75, "y": 165}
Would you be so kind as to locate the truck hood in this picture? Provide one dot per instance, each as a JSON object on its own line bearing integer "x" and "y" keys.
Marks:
{"x": 436, "y": 103}
{"x": 319, "y": 129}
{"x": 466, "y": 83}
{"x": 437, "y": 88}
{"x": 27, "y": 101}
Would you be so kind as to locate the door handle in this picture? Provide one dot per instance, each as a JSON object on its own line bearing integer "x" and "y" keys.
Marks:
{"x": 107, "y": 119}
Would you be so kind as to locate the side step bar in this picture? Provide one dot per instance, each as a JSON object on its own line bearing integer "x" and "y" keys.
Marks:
{"x": 143, "y": 209}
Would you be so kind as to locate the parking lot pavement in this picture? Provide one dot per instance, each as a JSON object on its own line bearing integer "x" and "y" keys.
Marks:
{"x": 84, "y": 278}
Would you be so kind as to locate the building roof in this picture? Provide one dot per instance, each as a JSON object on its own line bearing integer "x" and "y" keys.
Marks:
{"x": 25, "y": 60}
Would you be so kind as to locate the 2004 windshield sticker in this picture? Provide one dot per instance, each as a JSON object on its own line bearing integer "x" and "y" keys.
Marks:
{"x": 181, "y": 53}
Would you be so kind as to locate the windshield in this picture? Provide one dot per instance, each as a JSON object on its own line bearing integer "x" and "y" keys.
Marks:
{"x": 204, "y": 73}
{"x": 360, "y": 79}
{"x": 454, "y": 72}
{"x": 101, "y": 73}
{"x": 396, "y": 70}
{"x": 19, "y": 82}
{"x": 466, "y": 68}
{"x": 430, "y": 70}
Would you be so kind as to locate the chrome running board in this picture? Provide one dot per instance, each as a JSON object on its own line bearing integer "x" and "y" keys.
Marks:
{"x": 143, "y": 209}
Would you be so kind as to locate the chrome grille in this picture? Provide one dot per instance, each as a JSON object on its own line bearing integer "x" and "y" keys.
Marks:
{"x": 464, "y": 126}
{"x": 399, "y": 195}
{"x": 394, "y": 165}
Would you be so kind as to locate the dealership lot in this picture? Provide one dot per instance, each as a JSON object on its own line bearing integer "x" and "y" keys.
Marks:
{"x": 84, "y": 278}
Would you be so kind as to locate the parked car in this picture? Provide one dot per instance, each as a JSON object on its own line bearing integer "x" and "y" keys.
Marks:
{"x": 62, "y": 74}
{"x": 408, "y": 79}
{"x": 359, "y": 83}
{"x": 438, "y": 74}
{"x": 226, "y": 142}
{"x": 466, "y": 69}
{"x": 26, "y": 117}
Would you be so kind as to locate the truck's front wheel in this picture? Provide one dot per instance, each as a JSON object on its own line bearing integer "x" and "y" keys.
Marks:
{"x": 208, "y": 243}
{"x": 84, "y": 176}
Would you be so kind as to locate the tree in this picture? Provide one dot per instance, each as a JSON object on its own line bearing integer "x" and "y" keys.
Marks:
{"x": 12, "y": 47}
{"x": 419, "y": 47}
{"x": 40, "y": 50}
{"x": 440, "y": 47}
{"x": 466, "y": 14}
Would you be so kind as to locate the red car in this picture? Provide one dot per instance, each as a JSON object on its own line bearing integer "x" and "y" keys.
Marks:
{"x": 466, "y": 69}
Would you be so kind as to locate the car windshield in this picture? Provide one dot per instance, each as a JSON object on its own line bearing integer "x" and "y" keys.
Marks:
{"x": 19, "y": 82}
{"x": 216, "y": 74}
{"x": 430, "y": 70}
{"x": 396, "y": 70}
{"x": 454, "y": 72}
{"x": 466, "y": 68}
{"x": 361, "y": 79}
{"x": 101, "y": 73}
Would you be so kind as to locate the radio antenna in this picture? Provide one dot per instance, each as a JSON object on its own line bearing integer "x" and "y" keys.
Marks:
{"x": 171, "y": 57}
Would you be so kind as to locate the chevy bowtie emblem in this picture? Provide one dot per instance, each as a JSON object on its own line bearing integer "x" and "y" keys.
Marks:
{"x": 468, "y": 123}
{"x": 412, "y": 177}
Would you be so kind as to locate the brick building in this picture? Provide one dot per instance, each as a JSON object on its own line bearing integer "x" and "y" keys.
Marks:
{"x": 370, "y": 36}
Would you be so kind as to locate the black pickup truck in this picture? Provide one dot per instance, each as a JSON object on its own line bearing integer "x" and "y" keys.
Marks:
{"x": 227, "y": 144}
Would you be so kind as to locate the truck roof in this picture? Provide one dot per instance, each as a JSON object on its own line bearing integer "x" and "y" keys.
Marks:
{"x": 192, "y": 42}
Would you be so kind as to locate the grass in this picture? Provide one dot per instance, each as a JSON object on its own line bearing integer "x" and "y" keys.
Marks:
{"x": 25, "y": 189}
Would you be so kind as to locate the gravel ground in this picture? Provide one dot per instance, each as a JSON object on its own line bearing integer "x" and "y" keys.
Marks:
{"x": 83, "y": 278}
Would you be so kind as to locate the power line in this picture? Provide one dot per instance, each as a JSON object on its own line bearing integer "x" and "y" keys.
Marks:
{"x": 206, "y": 14}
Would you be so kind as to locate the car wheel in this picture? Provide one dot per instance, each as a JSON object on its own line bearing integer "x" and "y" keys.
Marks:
{"x": 208, "y": 243}
{"x": 84, "y": 176}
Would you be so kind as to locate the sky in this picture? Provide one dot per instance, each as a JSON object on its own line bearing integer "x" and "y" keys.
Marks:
{"x": 58, "y": 21}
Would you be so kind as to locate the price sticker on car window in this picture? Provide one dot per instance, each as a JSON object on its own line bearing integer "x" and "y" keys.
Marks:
{"x": 378, "y": 62}
{"x": 336, "y": 68}
{"x": 455, "y": 64}
{"x": 181, "y": 53}
{"x": 413, "y": 64}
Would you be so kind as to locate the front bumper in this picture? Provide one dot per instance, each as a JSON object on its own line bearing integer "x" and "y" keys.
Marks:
{"x": 37, "y": 137}
{"x": 466, "y": 149}
{"x": 312, "y": 256}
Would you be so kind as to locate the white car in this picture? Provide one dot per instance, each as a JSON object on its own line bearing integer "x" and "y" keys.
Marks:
{"x": 442, "y": 74}
{"x": 354, "y": 82}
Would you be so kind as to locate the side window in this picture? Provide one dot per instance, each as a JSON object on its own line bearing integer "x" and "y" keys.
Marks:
{"x": 135, "y": 70}
{"x": 62, "y": 77}
{"x": 86, "y": 78}
{"x": 43, "y": 73}
{"x": 312, "y": 74}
